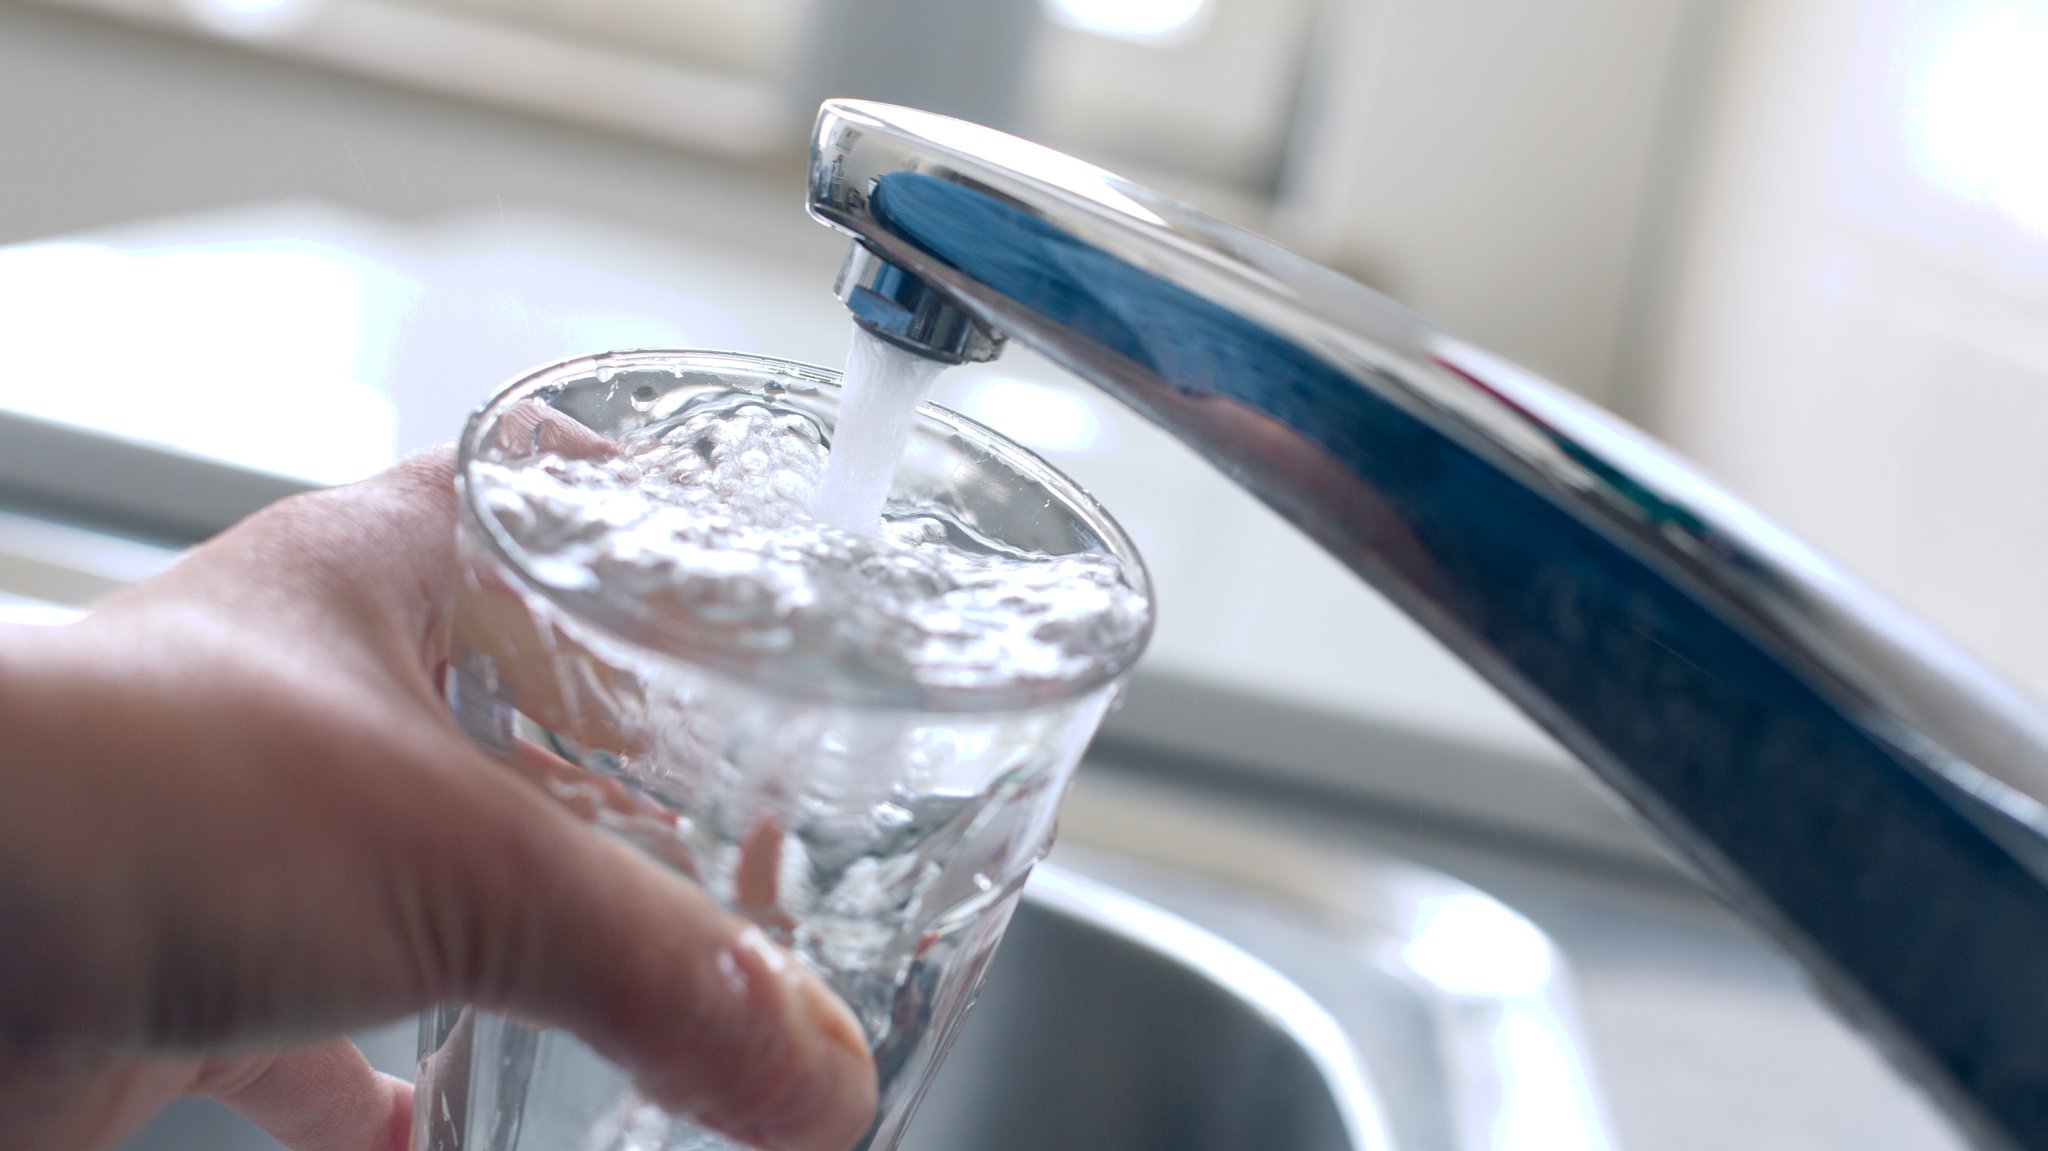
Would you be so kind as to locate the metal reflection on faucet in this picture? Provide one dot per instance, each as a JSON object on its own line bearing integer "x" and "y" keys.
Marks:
{"x": 1855, "y": 785}
{"x": 1466, "y": 944}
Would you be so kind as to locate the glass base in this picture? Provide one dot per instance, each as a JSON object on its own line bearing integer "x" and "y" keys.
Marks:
{"x": 487, "y": 1083}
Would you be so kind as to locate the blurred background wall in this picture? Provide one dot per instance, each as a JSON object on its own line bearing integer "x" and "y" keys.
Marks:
{"x": 1806, "y": 241}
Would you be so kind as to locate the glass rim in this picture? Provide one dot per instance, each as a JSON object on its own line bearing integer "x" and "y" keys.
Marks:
{"x": 952, "y": 699}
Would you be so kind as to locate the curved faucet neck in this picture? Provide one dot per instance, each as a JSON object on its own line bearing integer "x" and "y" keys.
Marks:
{"x": 1854, "y": 784}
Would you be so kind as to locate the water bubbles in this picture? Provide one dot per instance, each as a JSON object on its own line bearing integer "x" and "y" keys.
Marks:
{"x": 644, "y": 396}
{"x": 702, "y": 525}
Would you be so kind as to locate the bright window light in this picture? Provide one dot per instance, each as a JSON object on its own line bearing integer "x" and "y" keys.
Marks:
{"x": 1982, "y": 116}
{"x": 1034, "y": 415}
{"x": 1128, "y": 19}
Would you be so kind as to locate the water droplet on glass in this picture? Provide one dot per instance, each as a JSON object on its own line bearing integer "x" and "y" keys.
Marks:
{"x": 605, "y": 372}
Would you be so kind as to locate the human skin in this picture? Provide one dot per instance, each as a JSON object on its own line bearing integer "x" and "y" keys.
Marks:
{"x": 236, "y": 821}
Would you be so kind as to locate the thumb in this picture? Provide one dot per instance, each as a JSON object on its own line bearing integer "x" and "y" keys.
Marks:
{"x": 556, "y": 922}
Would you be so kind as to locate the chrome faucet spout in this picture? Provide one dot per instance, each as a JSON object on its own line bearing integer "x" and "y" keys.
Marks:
{"x": 904, "y": 310}
{"x": 1852, "y": 783}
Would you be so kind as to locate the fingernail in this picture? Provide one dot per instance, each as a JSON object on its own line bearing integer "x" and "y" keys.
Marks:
{"x": 823, "y": 1093}
{"x": 832, "y": 1100}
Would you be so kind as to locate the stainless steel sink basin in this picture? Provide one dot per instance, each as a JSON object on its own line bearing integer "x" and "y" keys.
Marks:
{"x": 1106, "y": 1025}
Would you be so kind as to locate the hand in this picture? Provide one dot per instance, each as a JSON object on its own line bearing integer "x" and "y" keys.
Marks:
{"x": 235, "y": 821}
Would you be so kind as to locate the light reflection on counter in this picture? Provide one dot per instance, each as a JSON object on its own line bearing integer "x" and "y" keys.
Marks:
{"x": 321, "y": 345}
{"x": 245, "y": 351}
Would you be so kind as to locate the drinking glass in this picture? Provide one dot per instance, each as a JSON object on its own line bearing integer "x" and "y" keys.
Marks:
{"x": 878, "y": 828}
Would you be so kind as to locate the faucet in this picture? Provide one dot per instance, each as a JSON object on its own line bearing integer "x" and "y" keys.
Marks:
{"x": 1847, "y": 779}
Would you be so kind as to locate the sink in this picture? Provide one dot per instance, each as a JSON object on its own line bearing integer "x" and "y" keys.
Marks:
{"x": 1462, "y": 1010}
{"x": 1106, "y": 1024}
{"x": 1109, "y": 1025}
